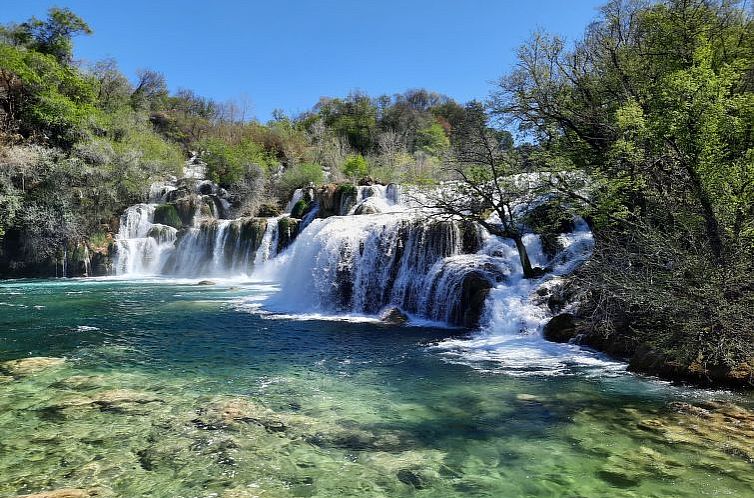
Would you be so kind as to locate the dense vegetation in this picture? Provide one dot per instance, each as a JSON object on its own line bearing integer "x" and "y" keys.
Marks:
{"x": 645, "y": 127}
{"x": 655, "y": 107}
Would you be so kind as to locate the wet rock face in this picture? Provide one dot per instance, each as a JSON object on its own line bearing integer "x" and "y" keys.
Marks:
{"x": 561, "y": 328}
{"x": 287, "y": 232}
{"x": 393, "y": 316}
{"x": 474, "y": 290}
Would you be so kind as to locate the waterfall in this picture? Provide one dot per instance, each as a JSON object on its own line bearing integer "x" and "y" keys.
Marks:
{"x": 370, "y": 250}
{"x": 268, "y": 247}
{"x": 360, "y": 264}
{"x": 221, "y": 248}
{"x": 298, "y": 194}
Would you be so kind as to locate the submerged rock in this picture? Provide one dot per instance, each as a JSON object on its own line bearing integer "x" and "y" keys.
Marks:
{"x": 393, "y": 316}
{"x": 232, "y": 412}
{"x": 69, "y": 493}
{"x": 412, "y": 478}
{"x": 206, "y": 282}
{"x": 28, "y": 366}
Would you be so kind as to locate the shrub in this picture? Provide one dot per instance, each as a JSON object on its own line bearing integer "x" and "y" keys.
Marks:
{"x": 167, "y": 214}
{"x": 355, "y": 166}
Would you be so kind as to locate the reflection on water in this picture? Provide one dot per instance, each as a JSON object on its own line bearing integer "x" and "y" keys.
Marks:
{"x": 168, "y": 389}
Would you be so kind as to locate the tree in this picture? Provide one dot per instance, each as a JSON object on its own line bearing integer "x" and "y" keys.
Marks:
{"x": 655, "y": 107}
{"x": 52, "y": 36}
{"x": 113, "y": 88}
{"x": 355, "y": 166}
{"x": 150, "y": 90}
{"x": 485, "y": 183}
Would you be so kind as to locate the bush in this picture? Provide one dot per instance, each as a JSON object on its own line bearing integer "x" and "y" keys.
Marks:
{"x": 167, "y": 214}
{"x": 302, "y": 175}
{"x": 355, "y": 166}
{"x": 227, "y": 163}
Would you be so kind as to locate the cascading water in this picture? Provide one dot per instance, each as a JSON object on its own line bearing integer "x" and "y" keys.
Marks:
{"x": 141, "y": 247}
{"x": 371, "y": 251}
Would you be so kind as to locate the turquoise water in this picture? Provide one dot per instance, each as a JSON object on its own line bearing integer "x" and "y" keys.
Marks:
{"x": 169, "y": 389}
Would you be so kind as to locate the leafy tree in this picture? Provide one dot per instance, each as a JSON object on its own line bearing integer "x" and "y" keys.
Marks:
{"x": 655, "y": 106}
{"x": 432, "y": 140}
{"x": 355, "y": 166}
{"x": 227, "y": 164}
{"x": 302, "y": 175}
{"x": 52, "y": 36}
{"x": 38, "y": 95}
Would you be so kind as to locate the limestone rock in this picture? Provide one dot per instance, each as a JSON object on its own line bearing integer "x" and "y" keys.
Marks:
{"x": 393, "y": 316}
{"x": 29, "y": 366}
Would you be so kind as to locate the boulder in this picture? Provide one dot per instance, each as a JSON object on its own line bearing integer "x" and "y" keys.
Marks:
{"x": 474, "y": 290}
{"x": 29, "y": 366}
{"x": 560, "y": 328}
{"x": 393, "y": 316}
{"x": 366, "y": 208}
{"x": 205, "y": 282}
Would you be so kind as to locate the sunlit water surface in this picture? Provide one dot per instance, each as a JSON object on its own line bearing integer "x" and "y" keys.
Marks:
{"x": 170, "y": 389}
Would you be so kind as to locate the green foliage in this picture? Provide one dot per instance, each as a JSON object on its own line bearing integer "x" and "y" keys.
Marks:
{"x": 432, "y": 140}
{"x": 355, "y": 166}
{"x": 302, "y": 175}
{"x": 299, "y": 209}
{"x": 167, "y": 214}
{"x": 354, "y": 118}
{"x": 656, "y": 108}
{"x": 43, "y": 96}
{"x": 228, "y": 164}
{"x": 51, "y": 36}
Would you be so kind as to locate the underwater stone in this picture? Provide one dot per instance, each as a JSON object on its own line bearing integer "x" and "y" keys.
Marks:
{"x": 68, "y": 493}
{"x": 28, "y": 366}
{"x": 412, "y": 478}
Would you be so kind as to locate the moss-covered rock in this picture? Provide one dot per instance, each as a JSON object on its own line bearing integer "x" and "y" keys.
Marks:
{"x": 167, "y": 214}
{"x": 299, "y": 209}
{"x": 268, "y": 210}
{"x": 287, "y": 232}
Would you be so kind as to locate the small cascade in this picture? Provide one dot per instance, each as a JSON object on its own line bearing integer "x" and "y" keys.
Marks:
{"x": 142, "y": 247}
{"x": 298, "y": 194}
{"x": 375, "y": 199}
{"x": 268, "y": 247}
{"x": 218, "y": 248}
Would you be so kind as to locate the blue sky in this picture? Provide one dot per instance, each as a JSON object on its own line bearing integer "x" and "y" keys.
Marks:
{"x": 287, "y": 53}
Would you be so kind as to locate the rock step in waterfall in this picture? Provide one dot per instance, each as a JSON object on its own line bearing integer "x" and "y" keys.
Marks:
{"x": 345, "y": 249}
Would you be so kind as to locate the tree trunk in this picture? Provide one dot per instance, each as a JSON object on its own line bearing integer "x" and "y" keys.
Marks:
{"x": 523, "y": 256}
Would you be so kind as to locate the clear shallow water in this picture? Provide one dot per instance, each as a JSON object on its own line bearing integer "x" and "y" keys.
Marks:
{"x": 169, "y": 389}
